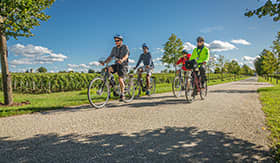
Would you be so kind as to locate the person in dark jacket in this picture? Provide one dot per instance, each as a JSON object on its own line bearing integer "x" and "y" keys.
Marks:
{"x": 148, "y": 67}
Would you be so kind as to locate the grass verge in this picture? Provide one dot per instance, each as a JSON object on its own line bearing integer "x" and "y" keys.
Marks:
{"x": 43, "y": 102}
{"x": 270, "y": 98}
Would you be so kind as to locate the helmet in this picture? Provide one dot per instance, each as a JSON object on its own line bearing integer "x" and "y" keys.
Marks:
{"x": 145, "y": 46}
{"x": 118, "y": 36}
{"x": 185, "y": 52}
{"x": 200, "y": 39}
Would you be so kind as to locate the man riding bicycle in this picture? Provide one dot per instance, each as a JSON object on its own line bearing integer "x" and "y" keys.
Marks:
{"x": 201, "y": 54}
{"x": 121, "y": 53}
{"x": 146, "y": 58}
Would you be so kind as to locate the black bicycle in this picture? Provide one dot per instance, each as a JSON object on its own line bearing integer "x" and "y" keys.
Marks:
{"x": 102, "y": 88}
{"x": 193, "y": 82}
{"x": 178, "y": 85}
{"x": 142, "y": 85}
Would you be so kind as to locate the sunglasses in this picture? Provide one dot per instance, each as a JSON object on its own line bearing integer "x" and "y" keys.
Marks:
{"x": 117, "y": 40}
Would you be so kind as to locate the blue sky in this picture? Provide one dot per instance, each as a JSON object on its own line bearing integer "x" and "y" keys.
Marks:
{"x": 80, "y": 32}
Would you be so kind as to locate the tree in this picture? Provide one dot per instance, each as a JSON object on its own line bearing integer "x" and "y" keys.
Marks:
{"x": 221, "y": 65}
{"x": 17, "y": 18}
{"x": 258, "y": 65}
{"x": 271, "y": 8}
{"x": 276, "y": 51}
{"x": 172, "y": 50}
{"x": 91, "y": 71}
{"x": 246, "y": 70}
{"x": 269, "y": 63}
{"x": 42, "y": 70}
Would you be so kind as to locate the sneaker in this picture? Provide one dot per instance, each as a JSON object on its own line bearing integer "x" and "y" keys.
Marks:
{"x": 121, "y": 98}
{"x": 148, "y": 93}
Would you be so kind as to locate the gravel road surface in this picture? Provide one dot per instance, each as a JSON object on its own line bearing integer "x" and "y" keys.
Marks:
{"x": 229, "y": 126}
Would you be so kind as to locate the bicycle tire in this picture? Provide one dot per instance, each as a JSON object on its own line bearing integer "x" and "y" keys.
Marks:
{"x": 91, "y": 94}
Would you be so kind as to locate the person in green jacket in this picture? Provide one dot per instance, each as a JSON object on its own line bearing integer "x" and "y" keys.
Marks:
{"x": 201, "y": 54}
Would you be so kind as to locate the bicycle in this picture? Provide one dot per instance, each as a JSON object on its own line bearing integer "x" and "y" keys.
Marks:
{"x": 142, "y": 85}
{"x": 100, "y": 88}
{"x": 193, "y": 82}
{"x": 178, "y": 85}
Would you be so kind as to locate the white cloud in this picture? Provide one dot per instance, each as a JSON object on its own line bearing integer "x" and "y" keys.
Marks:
{"x": 211, "y": 29}
{"x": 94, "y": 63}
{"x": 131, "y": 61}
{"x": 78, "y": 66}
{"x": 219, "y": 46}
{"x": 248, "y": 58}
{"x": 31, "y": 54}
{"x": 189, "y": 46}
{"x": 157, "y": 59}
{"x": 241, "y": 41}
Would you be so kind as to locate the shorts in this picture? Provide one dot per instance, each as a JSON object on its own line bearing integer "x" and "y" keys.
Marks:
{"x": 147, "y": 70}
{"x": 120, "y": 69}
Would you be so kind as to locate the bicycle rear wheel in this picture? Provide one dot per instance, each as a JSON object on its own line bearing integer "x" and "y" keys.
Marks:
{"x": 189, "y": 91}
{"x": 178, "y": 87}
{"x": 129, "y": 91}
{"x": 98, "y": 93}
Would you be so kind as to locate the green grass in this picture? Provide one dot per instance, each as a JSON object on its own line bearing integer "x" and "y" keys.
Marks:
{"x": 270, "y": 98}
{"x": 43, "y": 102}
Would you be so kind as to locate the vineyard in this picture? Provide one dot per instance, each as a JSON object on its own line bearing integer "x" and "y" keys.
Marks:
{"x": 59, "y": 82}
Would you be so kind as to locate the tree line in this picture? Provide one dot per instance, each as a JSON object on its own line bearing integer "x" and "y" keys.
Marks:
{"x": 268, "y": 62}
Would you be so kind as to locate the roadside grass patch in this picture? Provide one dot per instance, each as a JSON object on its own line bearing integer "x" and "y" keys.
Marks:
{"x": 270, "y": 98}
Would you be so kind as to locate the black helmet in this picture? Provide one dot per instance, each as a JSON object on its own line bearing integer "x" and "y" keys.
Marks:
{"x": 199, "y": 39}
{"x": 185, "y": 52}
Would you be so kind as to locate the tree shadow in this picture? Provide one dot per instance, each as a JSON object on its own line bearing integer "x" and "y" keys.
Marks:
{"x": 168, "y": 144}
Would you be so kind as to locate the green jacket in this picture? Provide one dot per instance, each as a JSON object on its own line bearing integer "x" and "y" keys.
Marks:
{"x": 200, "y": 55}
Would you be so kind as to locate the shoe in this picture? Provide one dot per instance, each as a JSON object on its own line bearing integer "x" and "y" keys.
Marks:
{"x": 121, "y": 98}
{"x": 148, "y": 93}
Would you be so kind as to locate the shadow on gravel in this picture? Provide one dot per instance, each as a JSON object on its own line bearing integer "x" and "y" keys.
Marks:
{"x": 150, "y": 103}
{"x": 233, "y": 91}
{"x": 169, "y": 144}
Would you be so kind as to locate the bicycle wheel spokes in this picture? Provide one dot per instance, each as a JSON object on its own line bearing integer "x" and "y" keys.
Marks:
{"x": 98, "y": 93}
{"x": 178, "y": 87}
{"x": 189, "y": 91}
{"x": 203, "y": 91}
{"x": 152, "y": 86}
{"x": 129, "y": 92}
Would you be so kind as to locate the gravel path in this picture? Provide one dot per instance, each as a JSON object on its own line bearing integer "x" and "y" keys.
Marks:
{"x": 229, "y": 126}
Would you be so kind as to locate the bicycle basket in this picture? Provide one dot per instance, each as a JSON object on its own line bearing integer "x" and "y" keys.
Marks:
{"x": 191, "y": 64}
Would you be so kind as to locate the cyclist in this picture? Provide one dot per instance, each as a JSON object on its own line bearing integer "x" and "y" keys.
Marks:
{"x": 148, "y": 67}
{"x": 121, "y": 53}
{"x": 201, "y": 54}
{"x": 182, "y": 60}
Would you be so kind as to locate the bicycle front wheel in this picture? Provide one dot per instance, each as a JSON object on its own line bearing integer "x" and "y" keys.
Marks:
{"x": 130, "y": 89}
{"x": 153, "y": 85}
{"x": 189, "y": 91}
{"x": 98, "y": 93}
{"x": 178, "y": 87}
{"x": 203, "y": 91}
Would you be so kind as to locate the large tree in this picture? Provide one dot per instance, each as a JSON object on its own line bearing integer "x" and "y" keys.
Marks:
{"x": 269, "y": 63}
{"x": 17, "y": 18}
{"x": 271, "y": 8}
{"x": 276, "y": 51}
{"x": 172, "y": 50}
{"x": 42, "y": 70}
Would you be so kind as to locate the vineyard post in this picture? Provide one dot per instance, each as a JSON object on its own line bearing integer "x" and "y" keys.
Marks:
{"x": 6, "y": 76}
